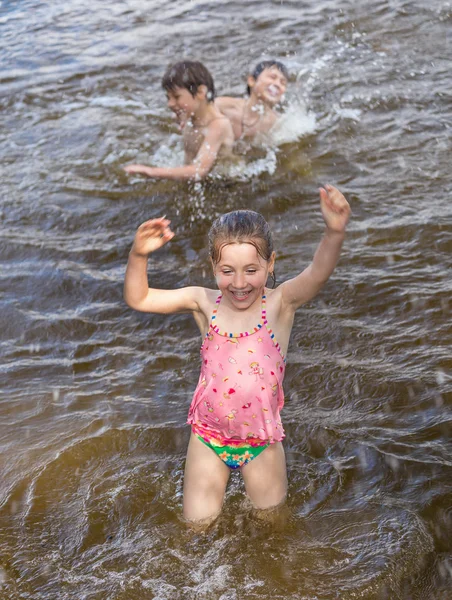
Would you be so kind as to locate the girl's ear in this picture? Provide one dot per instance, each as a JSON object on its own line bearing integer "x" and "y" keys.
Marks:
{"x": 271, "y": 262}
{"x": 271, "y": 268}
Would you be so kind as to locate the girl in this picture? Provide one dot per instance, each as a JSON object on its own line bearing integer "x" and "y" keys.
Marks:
{"x": 234, "y": 415}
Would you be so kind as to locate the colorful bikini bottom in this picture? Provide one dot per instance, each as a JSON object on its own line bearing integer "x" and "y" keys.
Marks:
{"x": 234, "y": 453}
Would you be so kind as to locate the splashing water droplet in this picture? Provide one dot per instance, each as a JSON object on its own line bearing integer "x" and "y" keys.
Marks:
{"x": 440, "y": 377}
{"x": 393, "y": 462}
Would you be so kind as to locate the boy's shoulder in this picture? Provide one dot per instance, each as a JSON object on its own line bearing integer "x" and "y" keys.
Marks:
{"x": 228, "y": 103}
{"x": 220, "y": 127}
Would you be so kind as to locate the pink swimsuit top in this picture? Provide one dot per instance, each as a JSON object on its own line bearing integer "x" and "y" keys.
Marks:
{"x": 239, "y": 392}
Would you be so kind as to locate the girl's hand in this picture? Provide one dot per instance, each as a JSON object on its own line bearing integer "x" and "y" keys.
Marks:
{"x": 151, "y": 235}
{"x": 335, "y": 208}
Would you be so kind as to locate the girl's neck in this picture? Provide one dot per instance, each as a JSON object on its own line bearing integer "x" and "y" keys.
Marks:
{"x": 230, "y": 318}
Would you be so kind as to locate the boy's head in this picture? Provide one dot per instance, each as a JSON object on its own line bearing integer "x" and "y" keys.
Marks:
{"x": 189, "y": 75}
{"x": 274, "y": 73}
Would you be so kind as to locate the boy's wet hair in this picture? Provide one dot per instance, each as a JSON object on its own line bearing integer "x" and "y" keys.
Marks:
{"x": 188, "y": 74}
{"x": 267, "y": 64}
{"x": 240, "y": 227}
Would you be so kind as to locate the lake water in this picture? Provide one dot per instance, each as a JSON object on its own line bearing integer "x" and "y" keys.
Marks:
{"x": 94, "y": 396}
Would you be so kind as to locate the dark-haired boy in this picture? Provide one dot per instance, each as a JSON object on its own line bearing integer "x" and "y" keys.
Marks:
{"x": 255, "y": 115}
{"x": 207, "y": 133}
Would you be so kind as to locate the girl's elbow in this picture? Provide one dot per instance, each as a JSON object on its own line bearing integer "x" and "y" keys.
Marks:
{"x": 131, "y": 301}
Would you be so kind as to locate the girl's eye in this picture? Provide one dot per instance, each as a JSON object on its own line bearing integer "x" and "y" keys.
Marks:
{"x": 226, "y": 272}
{"x": 251, "y": 271}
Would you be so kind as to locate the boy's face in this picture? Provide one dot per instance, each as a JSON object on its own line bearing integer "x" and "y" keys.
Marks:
{"x": 269, "y": 87}
{"x": 182, "y": 103}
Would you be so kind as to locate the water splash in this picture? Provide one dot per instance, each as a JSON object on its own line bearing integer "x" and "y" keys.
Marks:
{"x": 295, "y": 123}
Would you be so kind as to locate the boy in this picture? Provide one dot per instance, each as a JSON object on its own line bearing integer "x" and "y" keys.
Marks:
{"x": 256, "y": 115}
{"x": 207, "y": 133}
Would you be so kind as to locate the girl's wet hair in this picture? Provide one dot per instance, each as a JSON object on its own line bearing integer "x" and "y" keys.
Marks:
{"x": 188, "y": 74}
{"x": 240, "y": 227}
{"x": 267, "y": 64}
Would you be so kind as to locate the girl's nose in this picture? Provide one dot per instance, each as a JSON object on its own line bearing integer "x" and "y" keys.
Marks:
{"x": 239, "y": 281}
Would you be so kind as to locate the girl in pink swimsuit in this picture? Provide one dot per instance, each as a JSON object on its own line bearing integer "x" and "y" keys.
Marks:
{"x": 235, "y": 411}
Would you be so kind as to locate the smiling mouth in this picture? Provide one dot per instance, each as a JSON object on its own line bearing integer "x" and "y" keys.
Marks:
{"x": 241, "y": 295}
{"x": 273, "y": 91}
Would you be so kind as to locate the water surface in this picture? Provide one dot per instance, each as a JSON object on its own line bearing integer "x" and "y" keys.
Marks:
{"x": 94, "y": 396}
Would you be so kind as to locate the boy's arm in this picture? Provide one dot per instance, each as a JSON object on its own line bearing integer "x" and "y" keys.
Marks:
{"x": 336, "y": 212}
{"x": 215, "y": 136}
{"x": 150, "y": 236}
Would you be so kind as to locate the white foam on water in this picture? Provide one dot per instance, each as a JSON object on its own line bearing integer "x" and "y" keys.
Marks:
{"x": 242, "y": 170}
{"x": 169, "y": 154}
{"x": 292, "y": 125}
{"x": 117, "y": 102}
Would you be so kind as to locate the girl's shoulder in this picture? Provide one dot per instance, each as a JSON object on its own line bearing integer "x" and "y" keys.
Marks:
{"x": 206, "y": 301}
{"x": 273, "y": 295}
{"x": 276, "y": 307}
{"x": 206, "y": 298}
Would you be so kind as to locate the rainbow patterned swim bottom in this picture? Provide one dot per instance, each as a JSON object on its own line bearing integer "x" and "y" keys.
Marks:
{"x": 234, "y": 453}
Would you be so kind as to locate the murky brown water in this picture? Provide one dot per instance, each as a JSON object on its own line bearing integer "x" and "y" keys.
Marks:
{"x": 95, "y": 396}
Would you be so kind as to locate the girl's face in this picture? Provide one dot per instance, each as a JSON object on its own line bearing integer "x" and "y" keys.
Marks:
{"x": 269, "y": 87}
{"x": 241, "y": 274}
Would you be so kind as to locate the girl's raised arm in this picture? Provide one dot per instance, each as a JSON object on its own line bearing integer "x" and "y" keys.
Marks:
{"x": 151, "y": 236}
{"x": 336, "y": 213}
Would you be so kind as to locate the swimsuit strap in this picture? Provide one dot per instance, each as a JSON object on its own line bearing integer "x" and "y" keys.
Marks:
{"x": 264, "y": 309}
{"x": 215, "y": 310}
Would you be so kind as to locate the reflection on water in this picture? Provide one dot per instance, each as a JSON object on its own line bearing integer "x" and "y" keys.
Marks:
{"x": 94, "y": 396}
